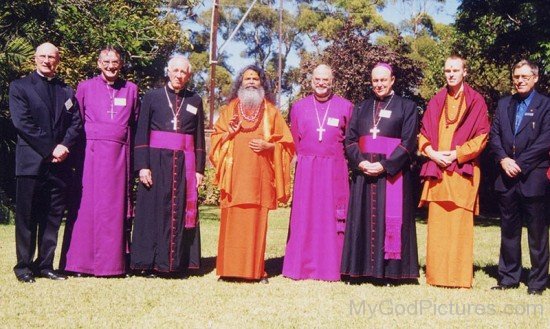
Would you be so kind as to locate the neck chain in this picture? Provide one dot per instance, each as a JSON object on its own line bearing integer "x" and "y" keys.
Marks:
{"x": 174, "y": 113}
{"x": 321, "y": 124}
{"x": 112, "y": 98}
{"x": 256, "y": 118}
{"x": 251, "y": 118}
{"x": 449, "y": 121}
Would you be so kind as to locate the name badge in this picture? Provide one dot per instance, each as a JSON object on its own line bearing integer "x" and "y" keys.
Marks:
{"x": 191, "y": 109}
{"x": 68, "y": 104}
{"x": 385, "y": 114}
{"x": 529, "y": 114}
{"x": 333, "y": 122}
{"x": 119, "y": 101}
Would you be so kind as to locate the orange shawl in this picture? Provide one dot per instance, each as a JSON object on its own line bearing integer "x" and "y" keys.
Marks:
{"x": 275, "y": 131}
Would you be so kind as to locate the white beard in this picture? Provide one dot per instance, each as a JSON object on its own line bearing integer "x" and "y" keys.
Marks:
{"x": 251, "y": 98}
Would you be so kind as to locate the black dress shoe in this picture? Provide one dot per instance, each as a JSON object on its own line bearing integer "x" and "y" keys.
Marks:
{"x": 505, "y": 286}
{"x": 537, "y": 292}
{"x": 52, "y": 275}
{"x": 26, "y": 278}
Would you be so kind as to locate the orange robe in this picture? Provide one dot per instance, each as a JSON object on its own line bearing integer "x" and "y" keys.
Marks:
{"x": 250, "y": 184}
{"x": 453, "y": 200}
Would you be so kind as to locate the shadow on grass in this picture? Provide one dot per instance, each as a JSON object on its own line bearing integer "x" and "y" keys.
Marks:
{"x": 208, "y": 264}
{"x": 274, "y": 266}
{"x": 379, "y": 282}
{"x": 492, "y": 271}
{"x": 210, "y": 213}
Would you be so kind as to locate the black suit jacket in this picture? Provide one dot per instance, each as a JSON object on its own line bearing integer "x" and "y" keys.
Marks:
{"x": 529, "y": 147}
{"x": 37, "y": 132}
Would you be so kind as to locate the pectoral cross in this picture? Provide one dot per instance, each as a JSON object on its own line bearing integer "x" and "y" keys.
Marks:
{"x": 111, "y": 112}
{"x": 175, "y": 123}
{"x": 374, "y": 131}
{"x": 321, "y": 130}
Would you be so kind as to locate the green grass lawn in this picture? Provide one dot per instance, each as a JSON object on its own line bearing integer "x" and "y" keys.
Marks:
{"x": 200, "y": 301}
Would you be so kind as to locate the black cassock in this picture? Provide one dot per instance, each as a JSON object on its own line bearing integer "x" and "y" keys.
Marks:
{"x": 363, "y": 253}
{"x": 160, "y": 240}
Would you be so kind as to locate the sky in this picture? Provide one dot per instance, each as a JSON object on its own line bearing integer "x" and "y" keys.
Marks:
{"x": 394, "y": 13}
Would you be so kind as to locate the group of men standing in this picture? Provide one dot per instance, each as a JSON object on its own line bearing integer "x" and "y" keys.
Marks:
{"x": 339, "y": 227}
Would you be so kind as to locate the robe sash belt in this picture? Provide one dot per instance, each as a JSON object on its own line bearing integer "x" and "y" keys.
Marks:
{"x": 186, "y": 143}
{"x": 394, "y": 192}
{"x": 102, "y": 131}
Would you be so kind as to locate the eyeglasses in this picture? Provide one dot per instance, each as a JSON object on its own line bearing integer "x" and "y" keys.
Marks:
{"x": 107, "y": 63}
{"x": 525, "y": 78}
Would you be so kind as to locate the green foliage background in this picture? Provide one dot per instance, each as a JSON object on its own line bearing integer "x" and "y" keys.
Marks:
{"x": 148, "y": 32}
{"x": 349, "y": 35}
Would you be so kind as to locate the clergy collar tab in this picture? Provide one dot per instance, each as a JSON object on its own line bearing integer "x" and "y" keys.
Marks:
{"x": 44, "y": 77}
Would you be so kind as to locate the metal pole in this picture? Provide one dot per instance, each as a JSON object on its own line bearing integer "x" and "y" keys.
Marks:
{"x": 213, "y": 59}
{"x": 280, "y": 66}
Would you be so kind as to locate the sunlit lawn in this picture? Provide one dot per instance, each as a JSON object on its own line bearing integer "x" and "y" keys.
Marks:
{"x": 200, "y": 301}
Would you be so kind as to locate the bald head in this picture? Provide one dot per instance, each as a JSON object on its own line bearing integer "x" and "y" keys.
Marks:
{"x": 323, "y": 69}
{"x": 46, "y": 58}
{"x": 321, "y": 82}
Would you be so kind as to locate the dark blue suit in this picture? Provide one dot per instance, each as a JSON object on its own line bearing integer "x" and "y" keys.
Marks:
{"x": 525, "y": 197}
{"x": 44, "y": 114}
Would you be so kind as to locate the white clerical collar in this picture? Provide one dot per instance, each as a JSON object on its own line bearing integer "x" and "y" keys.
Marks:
{"x": 45, "y": 77}
{"x": 383, "y": 98}
{"x": 172, "y": 88}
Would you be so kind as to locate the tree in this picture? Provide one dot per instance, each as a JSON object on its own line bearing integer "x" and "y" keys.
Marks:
{"x": 323, "y": 20}
{"x": 148, "y": 32}
{"x": 495, "y": 34}
{"x": 259, "y": 32}
{"x": 354, "y": 55}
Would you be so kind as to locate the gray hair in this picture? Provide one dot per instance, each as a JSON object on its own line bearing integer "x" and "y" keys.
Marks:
{"x": 47, "y": 45}
{"x": 524, "y": 62}
{"x": 178, "y": 57}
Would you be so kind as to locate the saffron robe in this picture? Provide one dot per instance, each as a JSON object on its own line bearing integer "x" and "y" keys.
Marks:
{"x": 452, "y": 193}
{"x": 160, "y": 240}
{"x": 95, "y": 240}
{"x": 321, "y": 190}
{"x": 250, "y": 184}
{"x": 364, "y": 253}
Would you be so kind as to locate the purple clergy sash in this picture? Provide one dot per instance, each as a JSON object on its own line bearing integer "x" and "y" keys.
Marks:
{"x": 185, "y": 143}
{"x": 394, "y": 194}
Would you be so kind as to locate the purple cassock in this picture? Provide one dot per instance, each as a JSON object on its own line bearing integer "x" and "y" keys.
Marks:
{"x": 321, "y": 189}
{"x": 95, "y": 241}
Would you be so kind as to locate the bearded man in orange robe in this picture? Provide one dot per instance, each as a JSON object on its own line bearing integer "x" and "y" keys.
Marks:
{"x": 251, "y": 151}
